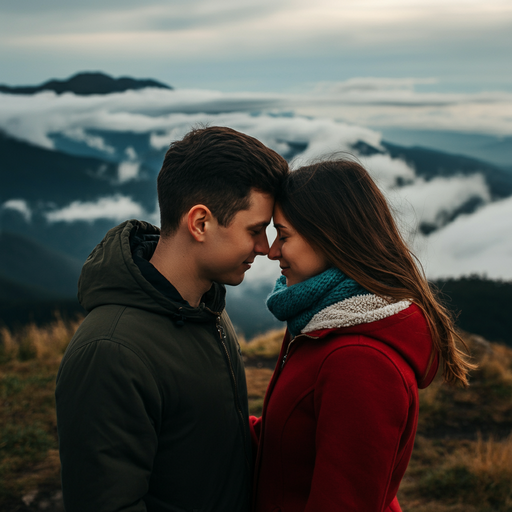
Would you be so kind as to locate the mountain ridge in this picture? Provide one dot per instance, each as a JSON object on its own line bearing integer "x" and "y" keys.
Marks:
{"x": 87, "y": 83}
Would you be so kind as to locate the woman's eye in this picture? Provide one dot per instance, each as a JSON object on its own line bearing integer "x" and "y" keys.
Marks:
{"x": 282, "y": 238}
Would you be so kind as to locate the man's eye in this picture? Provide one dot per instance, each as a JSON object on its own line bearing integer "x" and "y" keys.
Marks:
{"x": 256, "y": 232}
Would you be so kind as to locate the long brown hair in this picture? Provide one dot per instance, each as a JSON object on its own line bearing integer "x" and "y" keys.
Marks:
{"x": 336, "y": 206}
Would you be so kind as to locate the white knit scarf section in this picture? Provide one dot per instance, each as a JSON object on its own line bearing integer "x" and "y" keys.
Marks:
{"x": 361, "y": 309}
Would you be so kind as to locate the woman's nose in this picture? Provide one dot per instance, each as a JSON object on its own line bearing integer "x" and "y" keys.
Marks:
{"x": 275, "y": 250}
{"x": 261, "y": 247}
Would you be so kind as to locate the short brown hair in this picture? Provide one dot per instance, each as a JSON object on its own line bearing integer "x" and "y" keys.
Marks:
{"x": 217, "y": 167}
{"x": 338, "y": 208}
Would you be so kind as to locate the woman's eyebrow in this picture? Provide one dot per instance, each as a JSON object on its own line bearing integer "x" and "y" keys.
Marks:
{"x": 279, "y": 226}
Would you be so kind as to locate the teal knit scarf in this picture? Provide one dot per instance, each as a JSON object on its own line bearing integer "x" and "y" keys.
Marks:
{"x": 299, "y": 303}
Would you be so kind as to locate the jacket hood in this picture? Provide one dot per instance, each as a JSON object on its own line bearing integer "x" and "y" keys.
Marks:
{"x": 110, "y": 276}
{"x": 400, "y": 325}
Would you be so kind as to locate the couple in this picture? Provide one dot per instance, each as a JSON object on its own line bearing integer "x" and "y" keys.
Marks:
{"x": 151, "y": 393}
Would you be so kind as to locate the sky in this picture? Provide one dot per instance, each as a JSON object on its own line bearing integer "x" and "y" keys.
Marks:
{"x": 280, "y": 46}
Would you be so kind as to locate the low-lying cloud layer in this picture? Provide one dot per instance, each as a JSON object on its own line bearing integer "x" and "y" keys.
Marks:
{"x": 167, "y": 115}
{"x": 367, "y": 102}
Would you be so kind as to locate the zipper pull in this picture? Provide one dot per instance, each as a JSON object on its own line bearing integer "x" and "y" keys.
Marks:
{"x": 220, "y": 330}
{"x": 283, "y": 361}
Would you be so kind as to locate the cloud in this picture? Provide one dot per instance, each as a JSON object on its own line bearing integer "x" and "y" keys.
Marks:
{"x": 388, "y": 172}
{"x": 478, "y": 243}
{"x": 389, "y": 102}
{"x": 117, "y": 208}
{"x": 170, "y": 114}
{"x": 200, "y": 27}
{"x": 127, "y": 171}
{"x": 367, "y": 85}
{"x": 93, "y": 141}
{"x": 20, "y": 206}
{"x": 434, "y": 202}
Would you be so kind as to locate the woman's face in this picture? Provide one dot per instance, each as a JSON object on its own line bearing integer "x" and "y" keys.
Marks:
{"x": 297, "y": 259}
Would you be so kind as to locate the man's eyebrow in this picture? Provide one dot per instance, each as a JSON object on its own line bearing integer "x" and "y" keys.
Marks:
{"x": 262, "y": 224}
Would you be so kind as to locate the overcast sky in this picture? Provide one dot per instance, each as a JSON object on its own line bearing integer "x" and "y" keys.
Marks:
{"x": 262, "y": 45}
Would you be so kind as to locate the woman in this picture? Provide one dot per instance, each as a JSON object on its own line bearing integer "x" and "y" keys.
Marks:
{"x": 364, "y": 333}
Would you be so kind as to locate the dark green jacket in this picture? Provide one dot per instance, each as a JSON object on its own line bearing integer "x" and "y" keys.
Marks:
{"x": 151, "y": 395}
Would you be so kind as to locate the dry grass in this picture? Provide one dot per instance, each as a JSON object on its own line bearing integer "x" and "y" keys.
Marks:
{"x": 486, "y": 406}
{"x": 452, "y": 469}
{"x": 261, "y": 351}
{"x": 257, "y": 382}
{"x": 28, "y": 425}
{"x": 458, "y": 468}
{"x": 468, "y": 475}
{"x": 35, "y": 342}
{"x": 265, "y": 346}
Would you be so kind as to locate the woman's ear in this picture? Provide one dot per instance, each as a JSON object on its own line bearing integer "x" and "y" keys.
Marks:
{"x": 198, "y": 218}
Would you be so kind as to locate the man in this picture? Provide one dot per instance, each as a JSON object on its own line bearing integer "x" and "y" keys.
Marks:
{"x": 151, "y": 393}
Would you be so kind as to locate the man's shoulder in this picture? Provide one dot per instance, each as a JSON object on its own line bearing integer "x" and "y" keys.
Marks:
{"x": 114, "y": 325}
{"x": 156, "y": 339}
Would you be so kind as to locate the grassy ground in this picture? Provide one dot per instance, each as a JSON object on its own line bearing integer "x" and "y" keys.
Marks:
{"x": 29, "y": 460}
{"x": 462, "y": 461}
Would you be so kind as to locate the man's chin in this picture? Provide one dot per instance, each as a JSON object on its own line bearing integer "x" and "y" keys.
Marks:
{"x": 233, "y": 280}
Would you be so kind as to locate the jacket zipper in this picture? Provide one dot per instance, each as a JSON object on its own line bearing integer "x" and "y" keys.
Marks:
{"x": 285, "y": 357}
{"x": 274, "y": 379}
{"x": 222, "y": 336}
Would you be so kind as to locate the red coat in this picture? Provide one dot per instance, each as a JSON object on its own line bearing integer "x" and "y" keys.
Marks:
{"x": 339, "y": 418}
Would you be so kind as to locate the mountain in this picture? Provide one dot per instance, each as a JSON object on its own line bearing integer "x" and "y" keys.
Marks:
{"x": 480, "y": 305}
{"x": 37, "y": 174}
{"x": 12, "y": 291}
{"x": 36, "y": 268}
{"x": 114, "y": 146}
{"x": 35, "y": 282}
{"x": 430, "y": 163}
{"x": 489, "y": 148}
{"x": 85, "y": 84}
{"x": 44, "y": 181}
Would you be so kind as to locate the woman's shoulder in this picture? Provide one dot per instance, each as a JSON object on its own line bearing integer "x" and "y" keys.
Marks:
{"x": 398, "y": 338}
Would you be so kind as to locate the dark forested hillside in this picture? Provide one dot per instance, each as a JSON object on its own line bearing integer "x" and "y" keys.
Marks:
{"x": 483, "y": 306}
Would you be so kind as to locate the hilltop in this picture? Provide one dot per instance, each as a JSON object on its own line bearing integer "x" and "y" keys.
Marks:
{"x": 86, "y": 83}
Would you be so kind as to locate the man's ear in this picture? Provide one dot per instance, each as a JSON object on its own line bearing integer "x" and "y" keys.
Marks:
{"x": 198, "y": 218}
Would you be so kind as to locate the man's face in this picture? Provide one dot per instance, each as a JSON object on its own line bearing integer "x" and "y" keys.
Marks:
{"x": 230, "y": 251}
